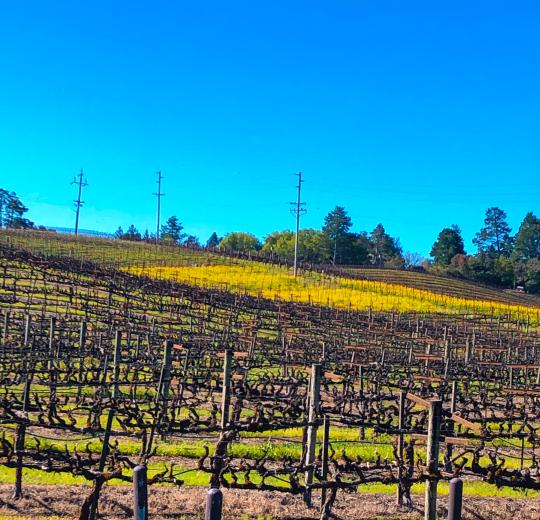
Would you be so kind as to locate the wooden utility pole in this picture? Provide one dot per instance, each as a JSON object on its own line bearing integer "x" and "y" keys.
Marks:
{"x": 78, "y": 203}
{"x": 297, "y": 209}
{"x": 158, "y": 195}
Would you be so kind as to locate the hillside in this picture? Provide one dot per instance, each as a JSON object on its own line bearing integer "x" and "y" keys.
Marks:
{"x": 443, "y": 285}
{"x": 362, "y": 288}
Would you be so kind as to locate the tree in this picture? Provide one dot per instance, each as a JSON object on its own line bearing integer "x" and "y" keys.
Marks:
{"x": 313, "y": 245}
{"x": 449, "y": 243}
{"x": 413, "y": 260}
{"x": 192, "y": 241}
{"x": 12, "y": 211}
{"x": 336, "y": 226}
{"x": 494, "y": 237}
{"x": 527, "y": 240}
{"x": 532, "y": 280}
{"x": 146, "y": 237}
{"x": 132, "y": 234}
{"x": 213, "y": 241}
{"x": 355, "y": 249}
{"x": 280, "y": 243}
{"x": 238, "y": 241}
{"x": 384, "y": 250}
{"x": 171, "y": 231}
{"x": 119, "y": 233}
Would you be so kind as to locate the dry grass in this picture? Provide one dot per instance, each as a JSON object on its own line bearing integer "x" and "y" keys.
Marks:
{"x": 62, "y": 502}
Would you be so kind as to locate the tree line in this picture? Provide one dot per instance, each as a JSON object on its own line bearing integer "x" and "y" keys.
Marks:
{"x": 501, "y": 258}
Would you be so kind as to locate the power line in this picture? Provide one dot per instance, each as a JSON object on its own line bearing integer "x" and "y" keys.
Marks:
{"x": 78, "y": 179}
{"x": 297, "y": 209}
{"x": 158, "y": 195}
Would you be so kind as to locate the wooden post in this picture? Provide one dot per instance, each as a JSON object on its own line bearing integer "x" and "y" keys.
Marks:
{"x": 140, "y": 493}
{"x": 522, "y": 453}
{"x": 226, "y": 395}
{"x": 314, "y": 397}
{"x": 214, "y": 504}
{"x": 401, "y": 426}
{"x": 428, "y": 352}
{"x": 362, "y": 430}
{"x": 137, "y": 347}
{"x": 449, "y": 450}
{"x": 511, "y": 376}
{"x": 455, "y": 499}
{"x": 432, "y": 460}
{"x": 165, "y": 379}
{"x": 82, "y": 343}
{"x": 27, "y": 325}
{"x": 51, "y": 368}
{"x": 5, "y": 332}
{"x": 326, "y": 442}
{"x": 20, "y": 436}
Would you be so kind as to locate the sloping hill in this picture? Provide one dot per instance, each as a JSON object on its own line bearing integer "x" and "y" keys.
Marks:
{"x": 198, "y": 266}
{"x": 444, "y": 285}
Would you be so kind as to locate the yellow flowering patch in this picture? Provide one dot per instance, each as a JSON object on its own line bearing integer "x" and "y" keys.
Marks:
{"x": 273, "y": 282}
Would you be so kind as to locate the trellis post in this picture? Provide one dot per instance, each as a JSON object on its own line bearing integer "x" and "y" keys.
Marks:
{"x": 314, "y": 397}
{"x": 226, "y": 393}
{"x": 455, "y": 499}
{"x": 432, "y": 461}
{"x": 401, "y": 427}
{"x": 140, "y": 493}
{"x": 326, "y": 442}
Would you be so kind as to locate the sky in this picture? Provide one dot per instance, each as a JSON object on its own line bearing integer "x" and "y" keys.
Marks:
{"x": 416, "y": 114}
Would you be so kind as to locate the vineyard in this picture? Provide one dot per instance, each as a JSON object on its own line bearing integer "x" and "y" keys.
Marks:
{"x": 213, "y": 370}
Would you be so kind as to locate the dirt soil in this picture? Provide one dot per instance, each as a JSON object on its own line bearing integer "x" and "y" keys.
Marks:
{"x": 188, "y": 504}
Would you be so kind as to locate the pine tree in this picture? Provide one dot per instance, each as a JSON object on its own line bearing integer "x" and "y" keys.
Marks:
{"x": 384, "y": 249}
{"x": 449, "y": 243}
{"x": 494, "y": 238}
{"x": 171, "y": 231}
{"x": 336, "y": 226}
{"x": 527, "y": 241}
{"x": 213, "y": 241}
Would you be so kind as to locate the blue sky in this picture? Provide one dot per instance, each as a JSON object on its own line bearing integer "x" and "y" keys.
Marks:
{"x": 414, "y": 114}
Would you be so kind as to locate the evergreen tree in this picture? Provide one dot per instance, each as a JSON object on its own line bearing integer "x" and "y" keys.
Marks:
{"x": 355, "y": 249}
{"x": 12, "y": 211}
{"x": 527, "y": 241}
{"x": 449, "y": 243}
{"x": 192, "y": 241}
{"x": 132, "y": 234}
{"x": 119, "y": 233}
{"x": 384, "y": 250}
{"x": 494, "y": 238}
{"x": 171, "y": 231}
{"x": 213, "y": 241}
{"x": 336, "y": 227}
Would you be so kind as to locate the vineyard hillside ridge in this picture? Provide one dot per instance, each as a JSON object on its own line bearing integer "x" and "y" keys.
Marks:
{"x": 356, "y": 288}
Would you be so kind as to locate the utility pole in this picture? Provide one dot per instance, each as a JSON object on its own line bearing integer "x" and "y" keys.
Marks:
{"x": 158, "y": 195}
{"x": 78, "y": 179}
{"x": 297, "y": 209}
